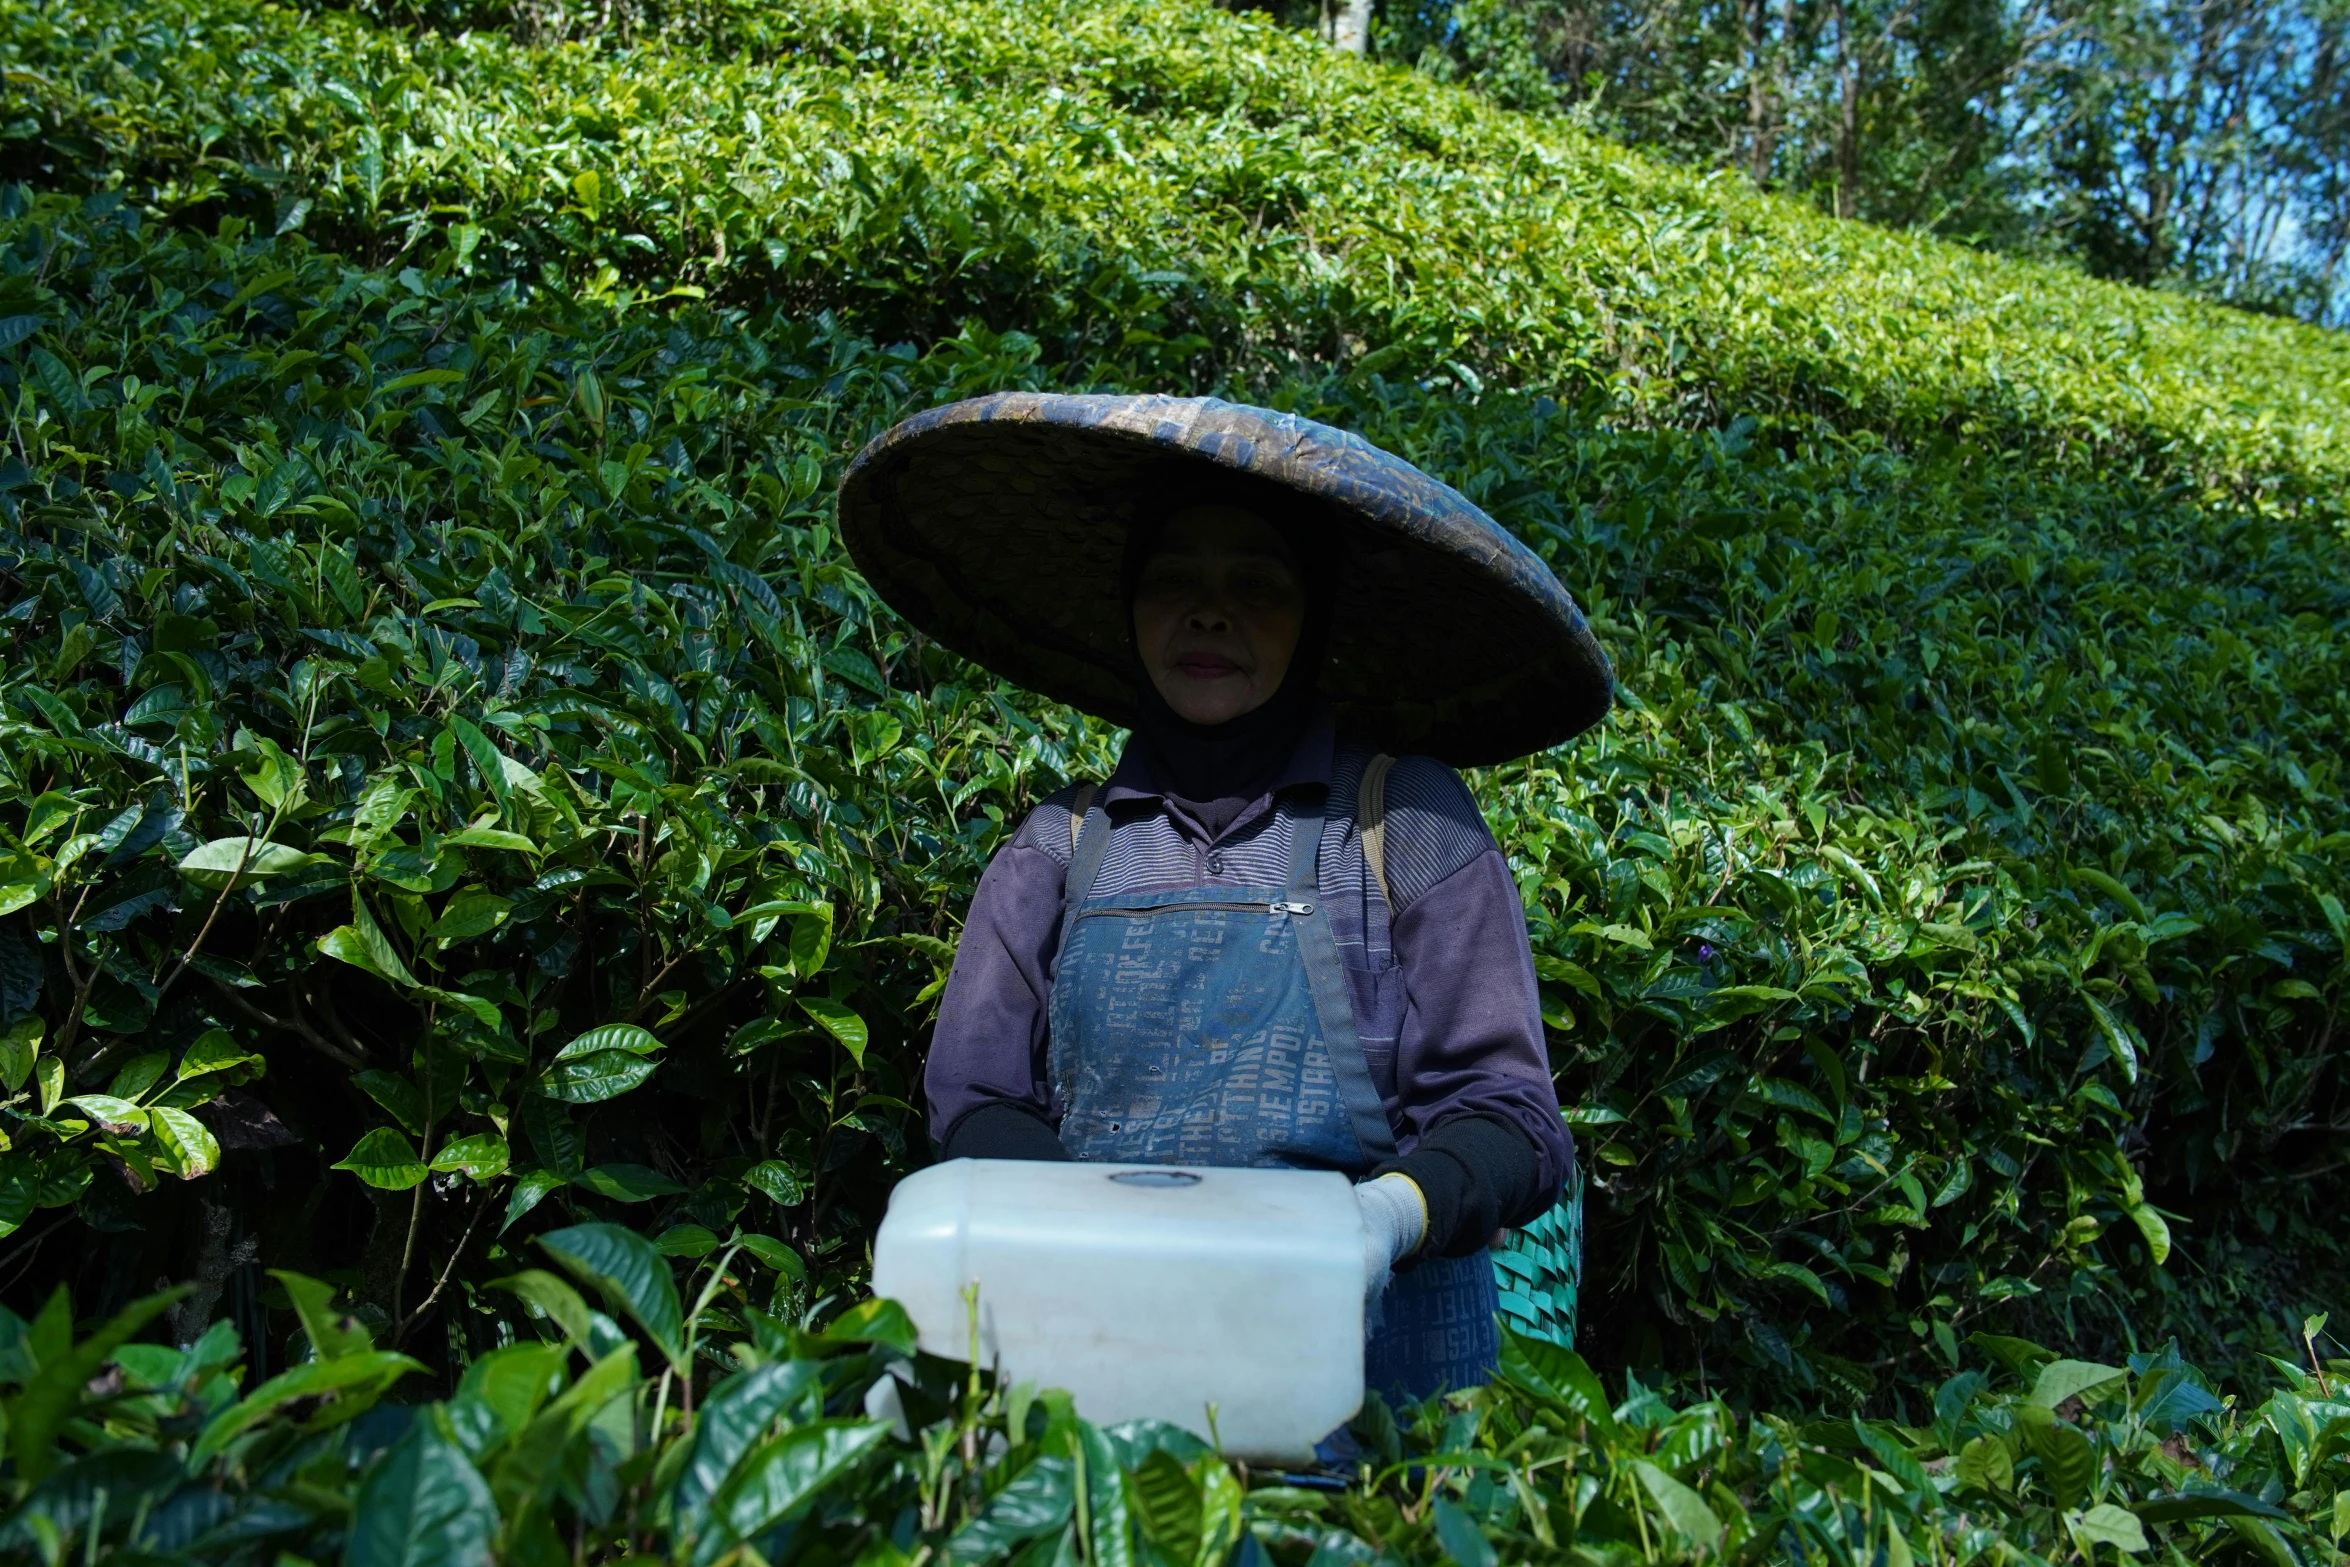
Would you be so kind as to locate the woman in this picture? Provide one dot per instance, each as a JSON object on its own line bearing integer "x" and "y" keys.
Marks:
{"x": 1265, "y": 939}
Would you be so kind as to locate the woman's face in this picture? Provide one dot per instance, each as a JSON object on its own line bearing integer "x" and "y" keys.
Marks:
{"x": 1217, "y": 612}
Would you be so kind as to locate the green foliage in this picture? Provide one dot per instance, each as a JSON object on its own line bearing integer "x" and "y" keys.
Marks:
{"x": 1205, "y": 199}
{"x": 438, "y": 708}
{"x": 1912, "y": 905}
{"x": 617, "y": 788}
{"x": 836, "y": 1444}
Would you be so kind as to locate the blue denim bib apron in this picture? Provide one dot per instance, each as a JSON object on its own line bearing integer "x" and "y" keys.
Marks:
{"x": 1211, "y": 1024}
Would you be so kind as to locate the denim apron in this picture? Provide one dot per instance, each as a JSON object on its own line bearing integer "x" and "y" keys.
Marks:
{"x": 1212, "y": 1024}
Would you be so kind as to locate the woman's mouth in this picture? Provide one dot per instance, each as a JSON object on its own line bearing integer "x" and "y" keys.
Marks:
{"x": 1205, "y": 666}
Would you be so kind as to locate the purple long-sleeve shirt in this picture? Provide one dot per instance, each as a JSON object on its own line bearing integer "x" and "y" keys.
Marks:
{"x": 1468, "y": 1036}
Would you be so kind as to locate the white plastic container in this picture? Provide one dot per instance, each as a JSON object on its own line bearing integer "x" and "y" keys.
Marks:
{"x": 1145, "y": 1290}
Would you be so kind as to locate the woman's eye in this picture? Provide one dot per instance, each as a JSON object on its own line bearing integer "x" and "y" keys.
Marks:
{"x": 1165, "y": 585}
{"x": 1264, "y": 587}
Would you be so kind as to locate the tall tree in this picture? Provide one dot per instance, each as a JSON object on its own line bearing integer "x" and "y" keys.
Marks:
{"x": 2200, "y": 144}
{"x": 1347, "y": 25}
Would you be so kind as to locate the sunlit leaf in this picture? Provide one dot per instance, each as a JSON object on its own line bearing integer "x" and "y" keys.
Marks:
{"x": 840, "y": 1022}
{"x": 215, "y": 1050}
{"x": 227, "y": 860}
{"x": 611, "y": 1036}
{"x": 2106, "y": 1524}
{"x": 630, "y": 1274}
{"x": 363, "y": 945}
{"x": 480, "y": 1155}
{"x": 778, "y": 1180}
{"x": 20, "y": 1044}
{"x": 192, "y": 1149}
{"x": 775, "y": 1254}
{"x": 491, "y": 838}
{"x": 594, "y": 1077}
{"x": 386, "y": 1159}
{"x": 116, "y": 1115}
{"x": 2062, "y": 1380}
{"x": 881, "y": 1322}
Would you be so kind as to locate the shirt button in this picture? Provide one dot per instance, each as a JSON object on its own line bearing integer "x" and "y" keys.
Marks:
{"x": 1215, "y": 865}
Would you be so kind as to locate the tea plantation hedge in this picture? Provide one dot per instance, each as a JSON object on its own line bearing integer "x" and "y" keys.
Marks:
{"x": 846, "y": 1445}
{"x": 1194, "y": 197}
{"x": 458, "y": 795}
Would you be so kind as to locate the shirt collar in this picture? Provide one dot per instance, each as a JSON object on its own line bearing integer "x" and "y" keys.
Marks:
{"x": 1310, "y": 763}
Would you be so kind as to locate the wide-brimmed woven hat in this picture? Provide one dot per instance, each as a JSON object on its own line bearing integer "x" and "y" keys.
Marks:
{"x": 999, "y": 525}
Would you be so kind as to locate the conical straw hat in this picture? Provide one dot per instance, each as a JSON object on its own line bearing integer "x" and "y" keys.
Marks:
{"x": 998, "y": 526}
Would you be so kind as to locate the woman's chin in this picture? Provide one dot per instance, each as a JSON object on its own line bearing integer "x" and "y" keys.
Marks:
{"x": 1209, "y": 701}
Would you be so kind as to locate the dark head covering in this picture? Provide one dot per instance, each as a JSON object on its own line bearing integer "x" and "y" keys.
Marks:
{"x": 1000, "y": 527}
{"x": 1217, "y": 768}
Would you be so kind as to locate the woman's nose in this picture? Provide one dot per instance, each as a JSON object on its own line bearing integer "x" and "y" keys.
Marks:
{"x": 1208, "y": 617}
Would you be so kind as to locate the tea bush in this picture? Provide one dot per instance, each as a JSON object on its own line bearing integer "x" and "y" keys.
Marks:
{"x": 452, "y": 820}
{"x": 1146, "y": 176}
{"x": 843, "y": 1444}
{"x": 456, "y": 789}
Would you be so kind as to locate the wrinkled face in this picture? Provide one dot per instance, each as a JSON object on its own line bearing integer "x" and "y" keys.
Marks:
{"x": 1217, "y": 612}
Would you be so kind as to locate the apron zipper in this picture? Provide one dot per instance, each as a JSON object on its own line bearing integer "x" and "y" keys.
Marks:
{"x": 1279, "y": 906}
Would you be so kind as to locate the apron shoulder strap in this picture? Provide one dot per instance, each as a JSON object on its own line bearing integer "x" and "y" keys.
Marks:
{"x": 1089, "y": 840}
{"x": 1317, "y": 949}
{"x": 1371, "y": 818}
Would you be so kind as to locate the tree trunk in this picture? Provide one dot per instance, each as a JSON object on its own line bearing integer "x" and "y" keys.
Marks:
{"x": 1760, "y": 137}
{"x": 1346, "y": 24}
{"x": 1847, "y": 116}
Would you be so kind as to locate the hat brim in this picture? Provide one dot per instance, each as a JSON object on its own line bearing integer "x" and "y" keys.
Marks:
{"x": 998, "y": 527}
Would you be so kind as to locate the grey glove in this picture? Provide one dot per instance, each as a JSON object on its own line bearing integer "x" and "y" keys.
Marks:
{"x": 1395, "y": 1220}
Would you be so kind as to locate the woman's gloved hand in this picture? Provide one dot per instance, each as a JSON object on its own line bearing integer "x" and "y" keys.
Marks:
{"x": 1395, "y": 1221}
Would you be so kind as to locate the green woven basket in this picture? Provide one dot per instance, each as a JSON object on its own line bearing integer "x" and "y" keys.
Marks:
{"x": 1540, "y": 1270}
